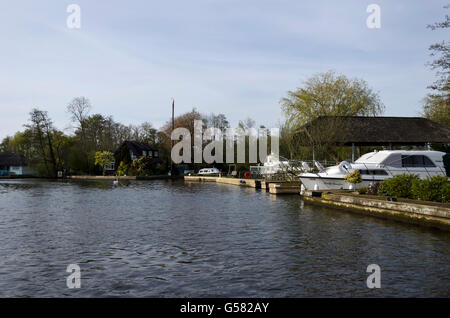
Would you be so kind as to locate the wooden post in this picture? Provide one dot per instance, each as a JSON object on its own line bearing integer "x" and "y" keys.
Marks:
{"x": 314, "y": 157}
{"x": 353, "y": 152}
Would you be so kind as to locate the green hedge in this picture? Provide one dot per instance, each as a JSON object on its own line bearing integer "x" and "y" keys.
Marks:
{"x": 436, "y": 188}
{"x": 398, "y": 186}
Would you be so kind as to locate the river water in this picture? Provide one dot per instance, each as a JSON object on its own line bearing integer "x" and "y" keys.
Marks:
{"x": 176, "y": 239}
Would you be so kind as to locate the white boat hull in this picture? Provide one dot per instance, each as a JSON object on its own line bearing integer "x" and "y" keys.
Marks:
{"x": 331, "y": 184}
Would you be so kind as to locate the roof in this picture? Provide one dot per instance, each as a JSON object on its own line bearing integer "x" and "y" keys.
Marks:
{"x": 380, "y": 156}
{"x": 137, "y": 147}
{"x": 11, "y": 159}
{"x": 380, "y": 130}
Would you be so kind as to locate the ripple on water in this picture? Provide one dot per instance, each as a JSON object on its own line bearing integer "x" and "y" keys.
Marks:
{"x": 168, "y": 239}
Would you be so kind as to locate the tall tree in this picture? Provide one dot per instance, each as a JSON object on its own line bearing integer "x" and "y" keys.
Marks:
{"x": 216, "y": 121}
{"x": 436, "y": 105}
{"x": 441, "y": 53}
{"x": 42, "y": 129}
{"x": 325, "y": 94}
{"x": 330, "y": 94}
{"x": 437, "y": 108}
{"x": 185, "y": 120}
{"x": 5, "y": 145}
{"x": 79, "y": 109}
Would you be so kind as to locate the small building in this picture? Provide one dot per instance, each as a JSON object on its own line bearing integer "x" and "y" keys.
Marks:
{"x": 12, "y": 164}
{"x": 133, "y": 150}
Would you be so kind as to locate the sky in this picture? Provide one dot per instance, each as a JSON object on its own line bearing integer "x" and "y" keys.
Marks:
{"x": 237, "y": 57}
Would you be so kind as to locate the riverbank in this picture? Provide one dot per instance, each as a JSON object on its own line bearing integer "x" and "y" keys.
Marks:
{"x": 252, "y": 183}
{"x": 429, "y": 214}
{"x": 19, "y": 177}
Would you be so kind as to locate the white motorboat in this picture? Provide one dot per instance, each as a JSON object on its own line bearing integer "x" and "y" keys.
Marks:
{"x": 377, "y": 166}
{"x": 274, "y": 164}
{"x": 206, "y": 171}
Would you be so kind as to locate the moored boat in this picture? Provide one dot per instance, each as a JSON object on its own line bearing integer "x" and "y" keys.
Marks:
{"x": 377, "y": 166}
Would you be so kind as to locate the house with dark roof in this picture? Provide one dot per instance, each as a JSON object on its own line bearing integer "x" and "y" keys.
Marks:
{"x": 139, "y": 149}
{"x": 12, "y": 164}
{"x": 132, "y": 150}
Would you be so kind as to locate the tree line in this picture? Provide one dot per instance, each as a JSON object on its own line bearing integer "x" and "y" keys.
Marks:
{"x": 48, "y": 149}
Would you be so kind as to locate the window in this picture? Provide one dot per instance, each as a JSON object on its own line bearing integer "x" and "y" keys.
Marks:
{"x": 377, "y": 172}
{"x": 144, "y": 153}
{"x": 416, "y": 161}
{"x": 109, "y": 166}
{"x": 155, "y": 153}
{"x": 150, "y": 153}
{"x": 393, "y": 160}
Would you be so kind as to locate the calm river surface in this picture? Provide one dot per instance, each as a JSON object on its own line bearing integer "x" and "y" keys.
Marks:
{"x": 176, "y": 239}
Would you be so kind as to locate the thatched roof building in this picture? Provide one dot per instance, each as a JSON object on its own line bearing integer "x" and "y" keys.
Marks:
{"x": 377, "y": 131}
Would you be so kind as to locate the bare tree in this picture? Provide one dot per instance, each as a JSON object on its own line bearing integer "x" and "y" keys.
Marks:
{"x": 247, "y": 123}
{"x": 79, "y": 109}
{"x": 216, "y": 121}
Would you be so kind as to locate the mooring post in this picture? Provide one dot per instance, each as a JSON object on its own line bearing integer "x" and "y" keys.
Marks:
{"x": 353, "y": 152}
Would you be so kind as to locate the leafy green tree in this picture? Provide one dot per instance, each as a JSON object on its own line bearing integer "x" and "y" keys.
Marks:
{"x": 437, "y": 108}
{"x": 330, "y": 94}
{"x": 5, "y": 146}
{"x": 325, "y": 94}
{"x": 103, "y": 158}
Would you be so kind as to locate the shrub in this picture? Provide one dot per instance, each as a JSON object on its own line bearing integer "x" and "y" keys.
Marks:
{"x": 436, "y": 188}
{"x": 122, "y": 169}
{"x": 383, "y": 188}
{"x": 102, "y": 158}
{"x": 144, "y": 166}
{"x": 362, "y": 190}
{"x": 398, "y": 186}
{"x": 354, "y": 177}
